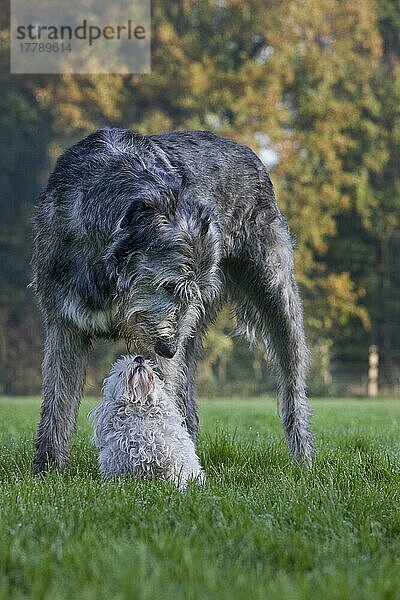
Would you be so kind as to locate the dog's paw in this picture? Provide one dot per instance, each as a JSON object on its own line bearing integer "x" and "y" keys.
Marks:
{"x": 44, "y": 462}
{"x": 198, "y": 478}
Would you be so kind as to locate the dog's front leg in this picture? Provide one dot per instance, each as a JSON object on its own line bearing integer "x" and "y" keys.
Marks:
{"x": 64, "y": 366}
{"x": 173, "y": 374}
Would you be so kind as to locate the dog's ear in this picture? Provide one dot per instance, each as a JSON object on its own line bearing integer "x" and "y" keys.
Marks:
{"x": 133, "y": 234}
{"x": 153, "y": 202}
{"x": 158, "y": 193}
{"x": 203, "y": 215}
{"x": 207, "y": 218}
{"x": 137, "y": 212}
{"x": 169, "y": 182}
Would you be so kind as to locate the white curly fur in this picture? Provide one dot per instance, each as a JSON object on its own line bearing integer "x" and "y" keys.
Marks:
{"x": 139, "y": 429}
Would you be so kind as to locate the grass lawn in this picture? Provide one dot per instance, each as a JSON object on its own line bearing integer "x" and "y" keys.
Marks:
{"x": 260, "y": 528}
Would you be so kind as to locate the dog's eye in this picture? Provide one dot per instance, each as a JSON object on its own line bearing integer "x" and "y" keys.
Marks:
{"x": 169, "y": 287}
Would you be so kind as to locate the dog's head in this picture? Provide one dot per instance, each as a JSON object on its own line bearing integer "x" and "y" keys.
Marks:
{"x": 164, "y": 255}
{"x": 133, "y": 380}
{"x": 140, "y": 380}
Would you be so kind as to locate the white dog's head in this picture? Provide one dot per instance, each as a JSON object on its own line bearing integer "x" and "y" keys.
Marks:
{"x": 131, "y": 381}
{"x": 139, "y": 379}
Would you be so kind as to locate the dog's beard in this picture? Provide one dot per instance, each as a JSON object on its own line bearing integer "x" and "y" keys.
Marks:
{"x": 144, "y": 333}
{"x": 138, "y": 341}
{"x": 132, "y": 328}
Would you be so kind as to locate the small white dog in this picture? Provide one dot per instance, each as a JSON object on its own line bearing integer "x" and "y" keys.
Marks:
{"x": 138, "y": 429}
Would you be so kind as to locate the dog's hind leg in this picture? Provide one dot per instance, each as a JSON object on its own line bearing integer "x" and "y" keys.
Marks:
{"x": 261, "y": 283}
{"x": 64, "y": 365}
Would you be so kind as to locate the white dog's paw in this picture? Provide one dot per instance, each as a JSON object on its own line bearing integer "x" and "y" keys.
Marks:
{"x": 181, "y": 481}
{"x": 200, "y": 477}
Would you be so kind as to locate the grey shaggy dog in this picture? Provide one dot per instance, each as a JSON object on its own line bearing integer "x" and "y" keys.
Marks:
{"x": 139, "y": 429}
{"x": 143, "y": 238}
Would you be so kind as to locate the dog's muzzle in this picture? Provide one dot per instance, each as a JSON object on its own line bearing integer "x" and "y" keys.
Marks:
{"x": 165, "y": 349}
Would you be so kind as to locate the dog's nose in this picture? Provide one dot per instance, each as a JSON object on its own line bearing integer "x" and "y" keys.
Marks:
{"x": 165, "y": 350}
{"x": 139, "y": 360}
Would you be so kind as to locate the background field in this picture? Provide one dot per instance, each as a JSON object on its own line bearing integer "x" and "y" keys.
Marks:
{"x": 260, "y": 526}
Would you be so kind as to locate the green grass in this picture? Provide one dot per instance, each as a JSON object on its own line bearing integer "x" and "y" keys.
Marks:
{"x": 261, "y": 527}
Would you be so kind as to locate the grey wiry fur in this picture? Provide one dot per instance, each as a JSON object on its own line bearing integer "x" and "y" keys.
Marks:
{"x": 143, "y": 237}
{"x": 139, "y": 429}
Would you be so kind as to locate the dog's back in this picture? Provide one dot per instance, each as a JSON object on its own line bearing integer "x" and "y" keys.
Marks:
{"x": 98, "y": 176}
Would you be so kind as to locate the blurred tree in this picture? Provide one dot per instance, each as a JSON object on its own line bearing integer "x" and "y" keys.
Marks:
{"x": 332, "y": 146}
{"x": 25, "y": 137}
{"x": 313, "y": 87}
{"x": 368, "y": 236}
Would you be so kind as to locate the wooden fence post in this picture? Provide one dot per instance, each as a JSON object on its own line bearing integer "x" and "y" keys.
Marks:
{"x": 373, "y": 372}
